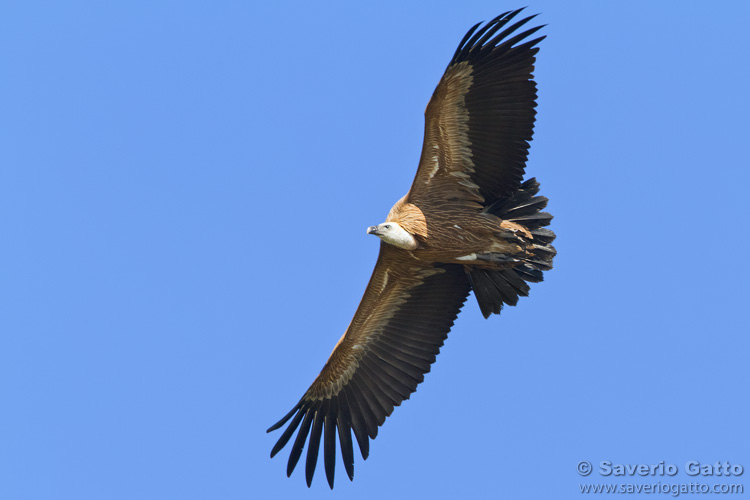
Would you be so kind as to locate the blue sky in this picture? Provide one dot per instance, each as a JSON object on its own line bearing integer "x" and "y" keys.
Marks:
{"x": 184, "y": 192}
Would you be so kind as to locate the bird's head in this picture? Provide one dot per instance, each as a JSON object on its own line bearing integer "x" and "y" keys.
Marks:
{"x": 394, "y": 234}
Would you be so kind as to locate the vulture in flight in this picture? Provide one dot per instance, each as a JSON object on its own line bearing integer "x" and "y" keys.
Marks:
{"x": 469, "y": 222}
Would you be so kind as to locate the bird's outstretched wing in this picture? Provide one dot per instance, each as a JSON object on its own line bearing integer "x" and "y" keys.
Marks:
{"x": 480, "y": 118}
{"x": 400, "y": 324}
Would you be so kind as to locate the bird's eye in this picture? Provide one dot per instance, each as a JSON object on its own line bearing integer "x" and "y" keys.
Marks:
{"x": 387, "y": 226}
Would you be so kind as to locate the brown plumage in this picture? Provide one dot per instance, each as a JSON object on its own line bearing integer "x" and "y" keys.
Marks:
{"x": 467, "y": 223}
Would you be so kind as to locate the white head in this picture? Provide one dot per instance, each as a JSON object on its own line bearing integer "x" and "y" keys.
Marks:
{"x": 394, "y": 234}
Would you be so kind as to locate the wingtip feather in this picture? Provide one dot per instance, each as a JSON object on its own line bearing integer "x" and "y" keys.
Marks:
{"x": 313, "y": 446}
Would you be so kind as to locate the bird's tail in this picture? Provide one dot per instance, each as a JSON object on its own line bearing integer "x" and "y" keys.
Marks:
{"x": 492, "y": 287}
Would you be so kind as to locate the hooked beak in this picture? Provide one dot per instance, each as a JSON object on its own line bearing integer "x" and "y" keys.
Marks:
{"x": 372, "y": 230}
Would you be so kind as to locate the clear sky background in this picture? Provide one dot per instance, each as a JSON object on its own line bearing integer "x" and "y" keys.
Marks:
{"x": 184, "y": 192}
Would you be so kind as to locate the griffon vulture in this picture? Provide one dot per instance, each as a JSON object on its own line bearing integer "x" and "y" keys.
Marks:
{"x": 467, "y": 223}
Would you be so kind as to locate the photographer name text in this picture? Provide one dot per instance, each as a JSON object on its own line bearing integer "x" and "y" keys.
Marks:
{"x": 691, "y": 468}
